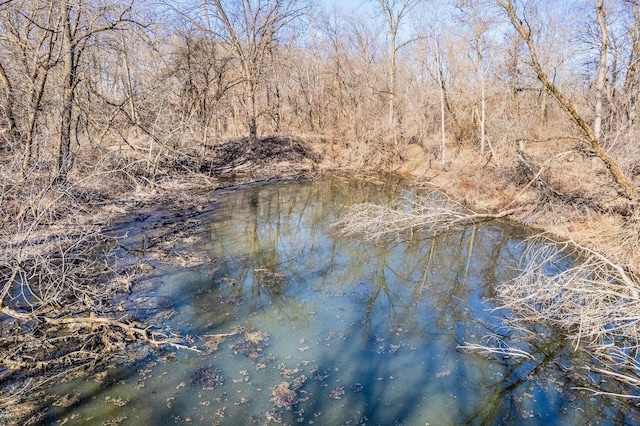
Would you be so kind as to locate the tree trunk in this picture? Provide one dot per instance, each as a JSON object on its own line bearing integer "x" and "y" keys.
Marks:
{"x": 252, "y": 119}
{"x": 69, "y": 69}
{"x": 32, "y": 120}
{"x": 621, "y": 179}
{"x": 14, "y": 134}
{"x": 602, "y": 71}
{"x": 443, "y": 102}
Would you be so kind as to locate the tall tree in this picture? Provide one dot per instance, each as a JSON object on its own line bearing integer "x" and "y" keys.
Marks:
{"x": 30, "y": 45}
{"x": 251, "y": 29}
{"x": 80, "y": 22}
{"x": 394, "y": 12}
{"x": 602, "y": 68}
{"x": 524, "y": 29}
{"x": 44, "y": 44}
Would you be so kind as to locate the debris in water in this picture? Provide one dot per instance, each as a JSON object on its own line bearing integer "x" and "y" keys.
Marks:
{"x": 117, "y": 401}
{"x": 274, "y": 416}
{"x": 337, "y": 393}
{"x": 241, "y": 401}
{"x": 206, "y": 378}
{"x": 230, "y": 300}
{"x": 285, "y": 372}
{"x": 283, "y": 396}
{"x": 67, "y": 400}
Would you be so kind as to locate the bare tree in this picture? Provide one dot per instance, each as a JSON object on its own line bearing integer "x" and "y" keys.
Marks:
{"x": 524, "y": 29}
{"x": 632, "y": 78}
{"x": 394, "y": 12}
{"x": 479, "y": 25}
{"x": 251, "y": 29}
{"x": 602, "y": 68}
{"x": 8, "y": 105}
{"x": 32, "y": 48}
{"x": 46, "y": 42}
{"x": 440, "y": 78}
{"x": 80, "y": 22}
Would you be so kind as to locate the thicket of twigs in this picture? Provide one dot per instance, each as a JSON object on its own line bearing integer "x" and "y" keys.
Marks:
{"x": 58, "y": 284}
{"x": 593, "y": 300}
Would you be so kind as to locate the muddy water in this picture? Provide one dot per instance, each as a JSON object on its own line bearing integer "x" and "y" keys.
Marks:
{"x": 296, "y": 325}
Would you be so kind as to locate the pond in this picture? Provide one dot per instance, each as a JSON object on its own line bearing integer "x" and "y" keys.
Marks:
{"x": 299, "y": 326}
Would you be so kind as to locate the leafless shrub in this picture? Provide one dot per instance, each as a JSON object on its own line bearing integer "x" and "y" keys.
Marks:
{"x": 57, "y": 283}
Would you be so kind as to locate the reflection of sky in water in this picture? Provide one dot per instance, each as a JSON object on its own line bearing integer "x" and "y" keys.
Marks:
{"x": 362, "y": 333}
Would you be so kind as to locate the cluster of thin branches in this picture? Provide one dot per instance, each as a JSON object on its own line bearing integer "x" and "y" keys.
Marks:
{"x": 496, "y": 347}
{"x": 432, "y": 212}
{"x": 595, "y": 301}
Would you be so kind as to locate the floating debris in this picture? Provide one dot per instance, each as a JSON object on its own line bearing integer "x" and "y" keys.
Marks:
{"x": 231, "y": 300}
{"x": 244, "y": 379}
{"x": 337, "y": 393}
{"x": 274, "y": 416}
{"x": 298, "y": 382}
{"x": 214, "y": 340}
{"x": 67, "y": 400}
{"x": 255, "y": 336}
{"x": 114, "y": 421}
{"x": 117, "y": 401}
{"x": 269, "y": 277}
{"x": 287, "y": 373}
{"x": 333, "y": 335}
{"x": 285, "y": 394}
{"x": 240, "y": 401}
{"x": 206, "y": 378}
{"x": 249, "y": 349}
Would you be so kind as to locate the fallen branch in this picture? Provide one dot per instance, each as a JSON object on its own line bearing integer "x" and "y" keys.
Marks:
{"x": 142, "y": 334}
{"x": 432, "y": 212}
{"x": 580, "y": 291}
{"x": 503, "y": 352}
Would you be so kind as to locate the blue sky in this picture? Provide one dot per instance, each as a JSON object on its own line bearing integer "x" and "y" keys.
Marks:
{"x": 345, "y": 4}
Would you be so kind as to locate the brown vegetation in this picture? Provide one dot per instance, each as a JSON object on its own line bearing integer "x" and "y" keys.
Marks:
{"x": 107, "y": 105}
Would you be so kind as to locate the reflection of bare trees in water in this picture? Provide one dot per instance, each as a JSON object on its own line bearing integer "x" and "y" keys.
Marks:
{"x": 565, "y": 288}
{"x": 279, "y": 229}
{"x": 431, "y": 212}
